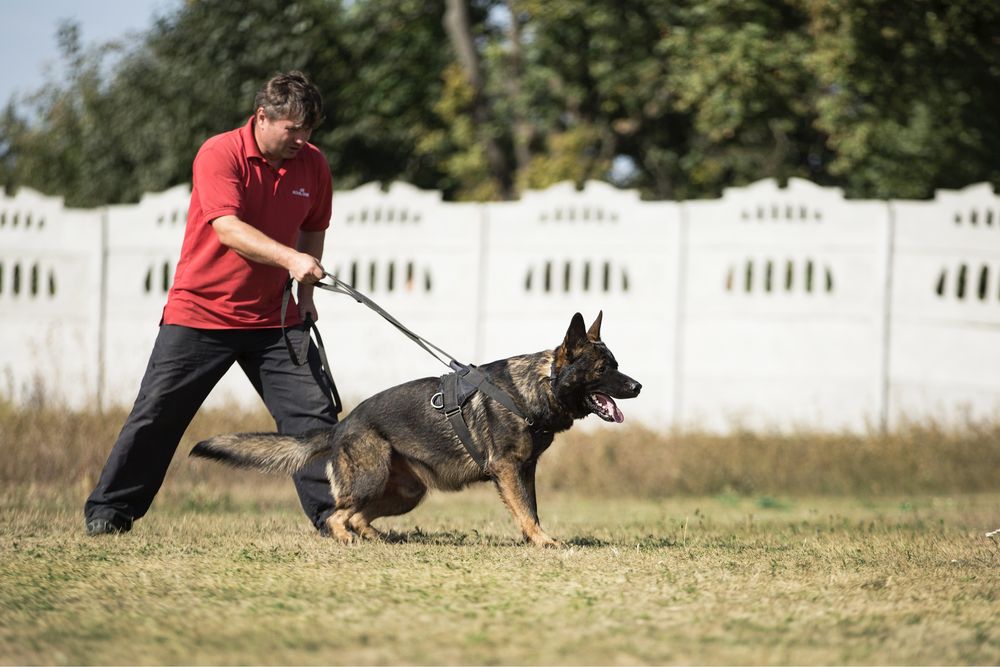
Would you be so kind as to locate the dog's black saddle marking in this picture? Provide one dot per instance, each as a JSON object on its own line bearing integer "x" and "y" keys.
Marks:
{"x": 456, "y": 389}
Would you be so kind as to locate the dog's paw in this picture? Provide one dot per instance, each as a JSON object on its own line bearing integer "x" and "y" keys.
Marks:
{"x": 544, "y": 541}
{"x": 340, "y": 531}
{"x": 372, "y": 534}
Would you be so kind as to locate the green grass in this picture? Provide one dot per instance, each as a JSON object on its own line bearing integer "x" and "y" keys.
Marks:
{"x": 751, "y": 548}
{"x": 234, "y": 575}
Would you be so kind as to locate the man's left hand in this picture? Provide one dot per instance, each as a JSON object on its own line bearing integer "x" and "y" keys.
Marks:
{"x": 306, "y": 306}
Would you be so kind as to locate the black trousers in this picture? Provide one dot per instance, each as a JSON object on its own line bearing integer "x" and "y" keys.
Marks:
{"x": 183, "y": 368}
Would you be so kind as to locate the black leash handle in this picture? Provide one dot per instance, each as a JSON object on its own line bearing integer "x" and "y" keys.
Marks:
{"x": 301, "y": 358}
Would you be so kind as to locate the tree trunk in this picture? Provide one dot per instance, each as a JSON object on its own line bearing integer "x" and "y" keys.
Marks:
{"x": 523, "y": 130}
{"x": 456, "y": 24}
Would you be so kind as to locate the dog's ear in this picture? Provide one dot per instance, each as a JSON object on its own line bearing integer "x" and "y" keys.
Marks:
{"x": 594, "y": 333}
{"x": 576, "y": 336}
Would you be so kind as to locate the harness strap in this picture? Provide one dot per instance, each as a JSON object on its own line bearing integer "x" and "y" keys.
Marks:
{"x": 452, "y": 407}
{"x": 456, "y": 388}
{"x": 481, "y": 381}
{"x": 310, "y": 328}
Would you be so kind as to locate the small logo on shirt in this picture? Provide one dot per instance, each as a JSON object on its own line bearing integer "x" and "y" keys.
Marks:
{"x": 301, "y": 192}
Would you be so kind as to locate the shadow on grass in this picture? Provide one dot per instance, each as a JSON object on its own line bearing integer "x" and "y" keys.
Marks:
{"x": 647, "y": 542}
{"x": 448, "y": 538}
{"x": 455, "y": 538}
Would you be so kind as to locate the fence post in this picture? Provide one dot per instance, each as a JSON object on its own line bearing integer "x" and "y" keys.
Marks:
{"x": 682, "y": 278}
{"x": 482, "y": 275}
{"x": 890, "y": 250}
{"x": 102, "y": 315}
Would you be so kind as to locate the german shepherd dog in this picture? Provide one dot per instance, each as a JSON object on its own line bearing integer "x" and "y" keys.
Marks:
{"x": 394, "y": 446}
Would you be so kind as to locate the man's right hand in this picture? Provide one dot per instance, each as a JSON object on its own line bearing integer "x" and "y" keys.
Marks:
{"x": 306, "y": 269}
{"x": 253, "y": 244}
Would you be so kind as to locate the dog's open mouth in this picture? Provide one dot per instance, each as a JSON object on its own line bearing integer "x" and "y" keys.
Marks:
{"x": 604, "y": 407}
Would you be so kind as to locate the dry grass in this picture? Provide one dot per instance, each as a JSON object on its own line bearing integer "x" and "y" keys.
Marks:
{"x": 49, "y": 445}
{"x": 920, "y": 458}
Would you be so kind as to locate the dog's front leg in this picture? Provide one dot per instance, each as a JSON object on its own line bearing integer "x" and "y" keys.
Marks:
{"x": 518, "y": 494}
{"x": 528, "y": 479}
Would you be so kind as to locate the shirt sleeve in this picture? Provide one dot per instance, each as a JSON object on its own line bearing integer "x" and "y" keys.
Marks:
{"x": 220, "y": 187}
{"x": 318, "y": 217}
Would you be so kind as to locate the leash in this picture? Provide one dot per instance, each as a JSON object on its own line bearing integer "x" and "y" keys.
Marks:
{"x": 451, "y": 397}
{"x": 341, "y": 287}
{"x": 310, "y": 328}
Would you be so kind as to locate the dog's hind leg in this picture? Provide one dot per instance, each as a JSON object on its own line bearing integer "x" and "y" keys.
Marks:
{"x": 403, "y": 491}
{"x": 358, "y": 473}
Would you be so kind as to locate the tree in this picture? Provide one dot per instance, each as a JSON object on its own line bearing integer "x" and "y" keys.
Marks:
{"x": 99, "y": 140}
{"x": 485, "y": 98}
{"x": 459, "y": 29}
{"x": 696, "y": 95}
{"x": 908, "y": 93}
{"x": 55, "y": 161}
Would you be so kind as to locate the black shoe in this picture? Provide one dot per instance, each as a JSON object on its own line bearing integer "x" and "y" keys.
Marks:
{"x": 103, "y": 526}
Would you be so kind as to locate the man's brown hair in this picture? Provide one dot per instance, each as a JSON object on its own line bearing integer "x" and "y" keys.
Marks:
{"x": 291, "y": 95}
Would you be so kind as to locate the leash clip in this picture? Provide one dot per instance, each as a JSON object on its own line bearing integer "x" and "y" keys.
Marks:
{"x": 434, "y": 405}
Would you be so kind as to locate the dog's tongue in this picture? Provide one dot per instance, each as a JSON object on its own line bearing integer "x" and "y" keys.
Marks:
{"x": 609, "y": 404}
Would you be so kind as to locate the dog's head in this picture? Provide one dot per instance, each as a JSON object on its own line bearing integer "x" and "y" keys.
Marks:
{"x": 586, "y": 376}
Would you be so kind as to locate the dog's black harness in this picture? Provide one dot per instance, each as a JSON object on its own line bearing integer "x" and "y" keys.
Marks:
{"x": 456, "y": 387}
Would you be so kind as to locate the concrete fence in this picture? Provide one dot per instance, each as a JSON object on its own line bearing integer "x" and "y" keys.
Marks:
{"x": 768, "y": 308}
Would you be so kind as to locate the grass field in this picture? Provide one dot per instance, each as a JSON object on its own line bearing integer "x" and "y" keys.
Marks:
{"x": 224, "y": 569}
{"x": 236, "y": 577}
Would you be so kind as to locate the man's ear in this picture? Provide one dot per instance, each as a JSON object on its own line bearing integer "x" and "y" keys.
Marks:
{"x": 595, "y": 329}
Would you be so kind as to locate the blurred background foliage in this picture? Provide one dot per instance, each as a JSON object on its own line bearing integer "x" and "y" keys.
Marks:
{"x": 678, "y": 98}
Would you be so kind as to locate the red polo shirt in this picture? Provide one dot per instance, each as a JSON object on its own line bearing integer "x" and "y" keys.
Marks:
{"x": 215, "y": 288}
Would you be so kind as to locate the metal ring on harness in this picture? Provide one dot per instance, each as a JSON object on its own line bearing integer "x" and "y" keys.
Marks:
{"x": 434, "y": 405}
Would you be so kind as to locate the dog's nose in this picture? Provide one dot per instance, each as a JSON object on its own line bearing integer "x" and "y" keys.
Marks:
{"x": 634, "y": 387}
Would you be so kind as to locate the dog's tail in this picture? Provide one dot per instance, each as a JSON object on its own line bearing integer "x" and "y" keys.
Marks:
{"x": 269, "y": 452}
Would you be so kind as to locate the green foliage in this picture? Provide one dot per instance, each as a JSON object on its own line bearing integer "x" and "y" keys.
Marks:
{"x": 909, "y": 93}
{"x": 454, "y": 145}
{"x": 737, "y": 74}
{"x": 109, "y": 138}
{"x": 395, "y": 49}
{"x": 882, "y": 98}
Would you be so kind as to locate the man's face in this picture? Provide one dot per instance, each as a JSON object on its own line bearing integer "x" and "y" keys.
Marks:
{"x": 282, "y": 138}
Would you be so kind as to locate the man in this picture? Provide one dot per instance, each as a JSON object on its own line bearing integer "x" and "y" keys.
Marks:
{"x": 260, "y": 207}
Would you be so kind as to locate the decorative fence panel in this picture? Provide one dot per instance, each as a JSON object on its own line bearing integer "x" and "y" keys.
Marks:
{"x": 50, "y": 300}
{"x": 944, "y": 357}
{"x": 143, "y": 246}
{"x": 784, "y": 309}
{"x": 766, "y": 308}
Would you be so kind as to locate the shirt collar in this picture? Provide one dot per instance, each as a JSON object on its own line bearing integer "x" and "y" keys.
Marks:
{"x": 249, "y": 142}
